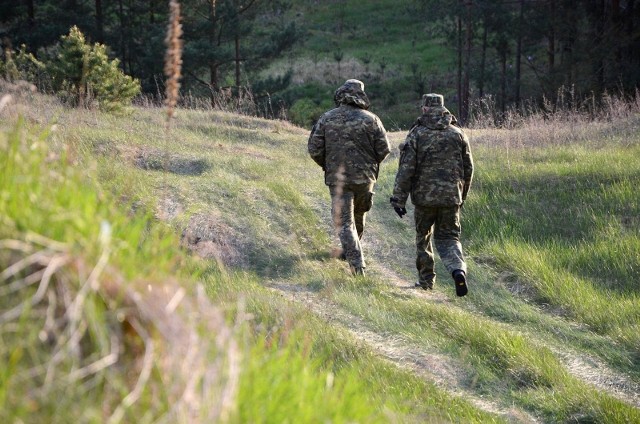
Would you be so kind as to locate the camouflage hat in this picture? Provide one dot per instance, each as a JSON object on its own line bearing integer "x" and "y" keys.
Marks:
{"x": 352, "y": 93}
{"x": 432, "y": 100}
{"x": 354, "y": 82}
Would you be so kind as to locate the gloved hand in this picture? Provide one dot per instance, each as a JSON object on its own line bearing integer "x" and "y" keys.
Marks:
{"x": 400, "y": 210}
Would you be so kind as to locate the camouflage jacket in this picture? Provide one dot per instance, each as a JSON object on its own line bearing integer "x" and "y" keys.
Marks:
{"x": 436, "y": 166}
{"x": 349, "y": 143}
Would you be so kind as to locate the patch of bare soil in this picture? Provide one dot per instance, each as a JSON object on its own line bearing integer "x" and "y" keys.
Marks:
{"x": 210, "y": 238}
{"x": 158, "y": 160}
{"x": 436, "y": 368}
{"x": 169, "y": 207}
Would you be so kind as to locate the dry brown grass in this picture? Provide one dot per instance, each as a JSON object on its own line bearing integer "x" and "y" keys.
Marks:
{"x": 146, "y": 326}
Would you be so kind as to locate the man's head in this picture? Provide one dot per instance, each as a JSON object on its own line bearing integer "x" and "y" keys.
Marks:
{"x": 434, "y": 111}
{"x": 351, "y": 93}
{"x": 432, "y": 100}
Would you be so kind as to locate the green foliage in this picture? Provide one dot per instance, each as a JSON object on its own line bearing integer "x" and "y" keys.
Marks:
{"x": 305, "y": 112}
{"x": 83, "y": 74}
{"x": 21, "y": 65}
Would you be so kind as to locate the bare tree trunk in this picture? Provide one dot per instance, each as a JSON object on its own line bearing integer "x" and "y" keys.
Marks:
{"x": 503, "y": 81}
{"x": 123, "y": 56}
{"x": 31, "y": 11}
{"x": 551, "y": 49}
{"x": 213, "y": 67}
{"x": 466, "y": 89}
{"x": 483, "y": 61}
{"x": 152, "y": 12}
{"x": 237, "y": 43}
{"x": 459, "y": 76}
{"x": 599, "y": 28}
{"x": 631, "y": 52}
{"x": 99, "y": 21}
{"x": 519, "y": 55}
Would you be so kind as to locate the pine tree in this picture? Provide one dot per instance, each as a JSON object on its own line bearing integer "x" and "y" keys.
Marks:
{"x": 82, "y": 74}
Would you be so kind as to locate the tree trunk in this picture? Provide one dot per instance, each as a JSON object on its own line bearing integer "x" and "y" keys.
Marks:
{"x": 123, "y": 56}
{"x": 519, "y": 55}
{"x": 551, "y": 37}
{"x": 483, "y": 61}
{"x": 31, "y": 11}
{"x": 503, "y": 81}
{"x": 213, "y": 66}
{"x": 459, "y": 76}
{"x": 631, "y": 51}
{"x": 152, "y": 12}
{"x": 99, "y": 21}
{"x": 466, "y": 89}
{"x": 600, "y": 25}
{"x": 237, "y": 43}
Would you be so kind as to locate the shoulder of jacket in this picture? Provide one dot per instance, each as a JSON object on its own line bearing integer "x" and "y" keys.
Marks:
{"x": 455, "y": 130}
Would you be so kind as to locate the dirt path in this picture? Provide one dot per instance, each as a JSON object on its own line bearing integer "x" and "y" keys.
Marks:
{"x": 438, "y": 369}
{"x": 585, "y": 368}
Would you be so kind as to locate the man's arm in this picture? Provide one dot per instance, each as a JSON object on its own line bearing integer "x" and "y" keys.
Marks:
{"x": 467, "y": 166}
{"x": 406, "y": 170}
{"x": 381, "y": 142}
{"x": 316, "y": 146}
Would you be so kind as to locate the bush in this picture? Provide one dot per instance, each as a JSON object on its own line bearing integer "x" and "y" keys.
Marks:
{"x": 21, "y": 66}
{"x": 305, "y": 112}
{"x": 82, "y": 74}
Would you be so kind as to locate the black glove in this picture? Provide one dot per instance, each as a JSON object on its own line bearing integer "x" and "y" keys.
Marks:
{"x": 401, "y": 211}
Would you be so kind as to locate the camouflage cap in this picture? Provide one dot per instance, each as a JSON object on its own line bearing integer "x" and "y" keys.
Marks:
{"x": 355, "y": 82}
{"x": 433, "y": 100}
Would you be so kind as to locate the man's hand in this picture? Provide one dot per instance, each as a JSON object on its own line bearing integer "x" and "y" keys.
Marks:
{"x": 400, "y": 210}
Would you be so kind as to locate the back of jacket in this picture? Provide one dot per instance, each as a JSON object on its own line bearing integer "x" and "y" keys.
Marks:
{"x": 436, "y": 165}
{"x": 349, "y": 143}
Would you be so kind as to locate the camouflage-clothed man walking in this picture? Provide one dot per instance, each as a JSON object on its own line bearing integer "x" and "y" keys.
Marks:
{"x": 349, "y": 143}
{"x": 436, "y": 168}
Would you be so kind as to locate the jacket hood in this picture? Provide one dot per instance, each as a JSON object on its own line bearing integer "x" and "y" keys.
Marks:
{"x": 436, "y": 118}
{"x": 352, "y": 93}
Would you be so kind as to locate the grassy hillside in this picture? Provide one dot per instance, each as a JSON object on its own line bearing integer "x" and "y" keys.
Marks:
{"x": 398, "y": 50}
{"x": 549, "y": 331}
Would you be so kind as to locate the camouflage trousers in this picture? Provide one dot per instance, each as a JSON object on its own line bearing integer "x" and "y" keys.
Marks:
{"x": 444, "y": 224}
{"x": 349, "y": 206}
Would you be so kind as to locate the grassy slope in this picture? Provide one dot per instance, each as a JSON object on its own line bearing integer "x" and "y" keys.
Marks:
{"x": 398, "y": 35}
{"x": 294, "y": 367}
{"x": 552, "y": 300}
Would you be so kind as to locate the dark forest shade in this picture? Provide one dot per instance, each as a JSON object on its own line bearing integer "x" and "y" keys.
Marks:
{"x": 512, "y": 50}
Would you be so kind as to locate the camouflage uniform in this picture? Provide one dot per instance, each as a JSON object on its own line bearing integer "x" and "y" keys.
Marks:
{"x": 349, "y": 143}
{"x": 436, "y": 168}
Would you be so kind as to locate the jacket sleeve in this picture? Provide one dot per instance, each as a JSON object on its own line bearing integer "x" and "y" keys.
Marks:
{"x": 380, "y": 142}
{"x": 316, "y": 144}
{"x": 467, "y": 166}
{"x": 406, "y": 169}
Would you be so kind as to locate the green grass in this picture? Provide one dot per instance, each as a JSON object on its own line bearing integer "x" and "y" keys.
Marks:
{"x": 550, "y": 232}
{"x": 286, "y": 353}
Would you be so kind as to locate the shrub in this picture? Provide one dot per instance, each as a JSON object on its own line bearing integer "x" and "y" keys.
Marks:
{"x": 305, "y": 112}
{"x": 82, "y": 74}
{"x": 21, "y": 65}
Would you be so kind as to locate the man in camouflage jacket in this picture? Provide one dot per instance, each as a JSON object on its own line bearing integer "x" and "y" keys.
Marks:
{"x": 349, "y": 143}
{"x": 436, "y": 168}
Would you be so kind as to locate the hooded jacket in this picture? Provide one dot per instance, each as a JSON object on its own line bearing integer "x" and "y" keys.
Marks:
{"x": 349, "y": 142}
{"x": 436, "y": 165}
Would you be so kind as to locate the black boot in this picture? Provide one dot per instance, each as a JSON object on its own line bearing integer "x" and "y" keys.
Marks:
{"x": 460, "y": 281}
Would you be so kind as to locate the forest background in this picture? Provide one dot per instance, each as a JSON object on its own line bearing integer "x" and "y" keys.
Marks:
{"x": 283, "y": 59}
